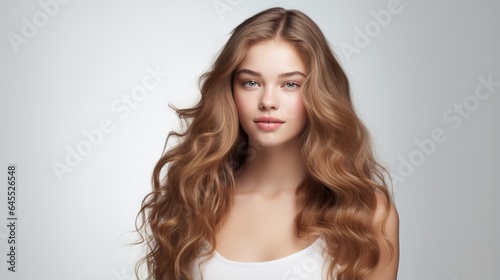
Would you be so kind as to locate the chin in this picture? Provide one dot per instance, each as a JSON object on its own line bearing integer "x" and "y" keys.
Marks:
{"x": 268, "y": 143}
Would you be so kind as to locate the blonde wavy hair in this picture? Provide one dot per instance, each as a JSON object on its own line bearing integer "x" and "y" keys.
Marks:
{"x": 338, "y": 198}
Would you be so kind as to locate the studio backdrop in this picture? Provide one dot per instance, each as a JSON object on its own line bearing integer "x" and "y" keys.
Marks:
{"x": 85, "y": 88}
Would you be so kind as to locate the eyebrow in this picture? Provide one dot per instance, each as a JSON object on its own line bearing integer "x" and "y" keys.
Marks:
{"x": 282, "y": 75}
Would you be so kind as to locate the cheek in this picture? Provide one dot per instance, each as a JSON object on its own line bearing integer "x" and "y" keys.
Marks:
{"x": 302, "y": 113}
{"x": 237, "y": 99}
{"x": 241, "y": 104}
{"x": 296, "y": 109}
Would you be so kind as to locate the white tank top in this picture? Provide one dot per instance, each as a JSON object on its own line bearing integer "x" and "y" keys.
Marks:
{"x": 309, "y": 263}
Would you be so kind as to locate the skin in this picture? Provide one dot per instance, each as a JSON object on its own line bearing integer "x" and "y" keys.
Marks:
{"x": 260, "y": 225}
{"x": 388, "y": 264}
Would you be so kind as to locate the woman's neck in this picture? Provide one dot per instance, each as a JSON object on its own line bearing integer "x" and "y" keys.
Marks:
{"x": 269, "y": 170}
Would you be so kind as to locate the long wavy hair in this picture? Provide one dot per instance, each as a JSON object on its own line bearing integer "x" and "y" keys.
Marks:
{"x": 337, "y": 200}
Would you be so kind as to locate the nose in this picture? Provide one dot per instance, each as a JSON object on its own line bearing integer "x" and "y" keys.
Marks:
{"x": 269, "y": 100}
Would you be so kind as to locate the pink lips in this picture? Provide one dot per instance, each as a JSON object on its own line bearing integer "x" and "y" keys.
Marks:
{"x": 268, "y": 123}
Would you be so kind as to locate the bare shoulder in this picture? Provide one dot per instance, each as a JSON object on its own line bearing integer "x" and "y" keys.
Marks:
{"x": 392, "y": 222}
{"x": 387, "y": 267}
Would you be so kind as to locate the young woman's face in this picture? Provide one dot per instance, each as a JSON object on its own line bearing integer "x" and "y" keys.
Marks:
{"x": 267, "y": 93}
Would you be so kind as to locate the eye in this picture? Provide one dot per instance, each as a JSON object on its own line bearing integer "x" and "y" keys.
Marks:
{"x": 291, "y": 85}
{"x": 250, "y": 84}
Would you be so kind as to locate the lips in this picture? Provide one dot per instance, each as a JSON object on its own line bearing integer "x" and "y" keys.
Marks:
{"x": 268, "y": 123}
{"x": 268, "y": 120}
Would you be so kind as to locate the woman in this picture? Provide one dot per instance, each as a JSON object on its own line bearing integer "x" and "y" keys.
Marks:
{"x": 273, "y": 177}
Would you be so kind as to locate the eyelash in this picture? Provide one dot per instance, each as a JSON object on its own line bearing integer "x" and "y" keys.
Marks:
{"x": 293, "y": 83}
{"x": 246, "y": 84}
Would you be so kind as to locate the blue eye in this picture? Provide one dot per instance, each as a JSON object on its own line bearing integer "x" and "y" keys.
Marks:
{"x": 250, "y": 84}
{"x": 291, "y": 85}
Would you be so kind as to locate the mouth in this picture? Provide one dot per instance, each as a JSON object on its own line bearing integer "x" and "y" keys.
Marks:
{"x": 268, "y": 120}
{"x": 268, "y": 123}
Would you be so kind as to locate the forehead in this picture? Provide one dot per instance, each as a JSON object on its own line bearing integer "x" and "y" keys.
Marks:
{"x": 272, "y": 57}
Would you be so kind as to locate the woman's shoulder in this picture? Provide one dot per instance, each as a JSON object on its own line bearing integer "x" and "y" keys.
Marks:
{"x": 386, "y": 209}
{"x": 386, "y": 220}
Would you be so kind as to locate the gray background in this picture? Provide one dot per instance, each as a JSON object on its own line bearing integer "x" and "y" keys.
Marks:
{"x": 87, "y": 55}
